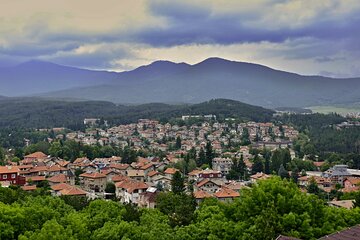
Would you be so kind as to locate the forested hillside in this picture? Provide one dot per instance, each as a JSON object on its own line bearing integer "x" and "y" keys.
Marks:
{"x": 40, "y": 113}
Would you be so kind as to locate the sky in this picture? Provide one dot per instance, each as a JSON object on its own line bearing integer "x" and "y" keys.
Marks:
{"x": 309, "y": 37}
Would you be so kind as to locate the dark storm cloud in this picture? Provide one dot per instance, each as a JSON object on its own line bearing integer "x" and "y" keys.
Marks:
{"x": 188, "y": 24}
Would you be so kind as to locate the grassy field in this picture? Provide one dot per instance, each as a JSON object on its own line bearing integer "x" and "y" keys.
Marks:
{"x": 335, "y": 109}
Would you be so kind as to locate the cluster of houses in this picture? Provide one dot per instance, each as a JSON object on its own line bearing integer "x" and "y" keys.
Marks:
{"x": 151, "y": 134}
{"x": 137, "y": 183}
{"x": 339, "y": 176}
{"x": 141, "y": 181}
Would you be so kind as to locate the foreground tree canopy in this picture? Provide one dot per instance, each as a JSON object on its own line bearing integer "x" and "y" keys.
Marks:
{"x": 270, "y": 208}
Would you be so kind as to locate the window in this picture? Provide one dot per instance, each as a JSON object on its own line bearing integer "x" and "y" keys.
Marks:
{"x": 4, "y": 176}
{"x": 13, "y": 175}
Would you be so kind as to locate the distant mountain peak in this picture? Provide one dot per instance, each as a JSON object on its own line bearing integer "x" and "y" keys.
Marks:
{"x": 162, "y": 65}
{"x": 165, "y": 63}
{"x": 215, "y": 60}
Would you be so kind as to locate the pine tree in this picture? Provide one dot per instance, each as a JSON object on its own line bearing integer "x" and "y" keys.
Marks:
{"x": 282, "y": 172}
{"x": 178, "y": 142}
{"x": 209, "y": 154}
{"x": 257, "y": 165}
{"x": 295, "y": 174}
{"x": 201, "y": 158}
{"x": 177, "y": 183}
{"x": 245, "y": 137}
{"x": 286, "y": 156}
{"x": 276, "y": 160}
{"x": 313, "y": 187}
{"x": 241, "y": 166}
{"x": 233, "y": 173}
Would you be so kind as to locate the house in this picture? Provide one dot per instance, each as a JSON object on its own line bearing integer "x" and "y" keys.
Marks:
{"x": 55, "y": 170}
{"x": 259, "y": 176}
{"x": 138, "y": 175}
{"x": 223, "y": 165}
{"x": 35, "y": 179}
{"x": 152, "y": 174}
{"x": 208, "y": 173}
{"x": 303, "y": 181}
{"x": 209, "y": 185}
{"x": 236, "y": 186}
{"x": 201, "y": 195}
{"x": 194, "y": 175}
{"x": 162, "y": 181}
{"x": 119, "y": 178}
{"x": 29, "y": 187}
{"x": 148, "y": 167}
{"x": 170, "y": 172}
{"x": 226, "y": 194}
{"x": 120, "y": 168}
{"x": 337, "y": 174}
{"x": 60, "y": 178}
{"x": 347, "y": 234}
{"x": 348, "y": 204}
{"x": 11, "y": 175}
{"x": 351, "y": 183}
{"x": 129, "y": 190}
{"x": 148, "y": 198}
{"x": 39, "y": 171}
{"x": 79, "y": 162}
{"x": 35, "y": 157}
{"x": 109, "y": 173}
{"x": 95, "y": 182}
{"x": 72, "y": 191}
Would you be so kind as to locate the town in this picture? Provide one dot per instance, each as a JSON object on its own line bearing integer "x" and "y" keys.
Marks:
{"x": 218, "y": 149}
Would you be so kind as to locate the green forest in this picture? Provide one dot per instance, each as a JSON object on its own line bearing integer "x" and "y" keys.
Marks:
{"x": 269, "y": 208}
{"x": 42, "y": 113}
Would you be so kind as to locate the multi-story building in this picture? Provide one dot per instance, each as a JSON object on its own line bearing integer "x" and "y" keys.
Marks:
{"x": 9, "y": 175}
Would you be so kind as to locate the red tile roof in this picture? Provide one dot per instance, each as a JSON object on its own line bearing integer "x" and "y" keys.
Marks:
{"x": 131, "y": 185}
{"x": 60, "y": 186}
{"x": 354, "y": 181}
{"x": 63, "y": 163}
{"x": 39, "y": 169}
{"x": 56, "y": 168}
{"x": 260, "y": 176}
{"x": 35, "y": 178}
{"x": 9, "y": 169}
{"x": 72, "y": 191}
{"x": 201, "y": 195}
{"x": 194, "y": 172}
{"x": 80, "y": 160}
{"x": 119, "y": 178}
{"x": 352, "y": 233}
{"x": 107, "y": 171}
{"x": 93, "y": 175}
{"x": 60, "y": 178}
{"x": 146, "y": 166}
{"x": 152, "y": 173}
{"x": 37, "y": 155}
{"x": 226, "y": 193}
{"x": 206, "y": 180}
{"x": 171, "y": 171}
{"x": 119, "y": 166}
{"x": 29, "y": 188}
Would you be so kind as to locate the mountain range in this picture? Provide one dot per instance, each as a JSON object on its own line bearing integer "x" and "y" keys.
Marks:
{"x": 168, "y": 82}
